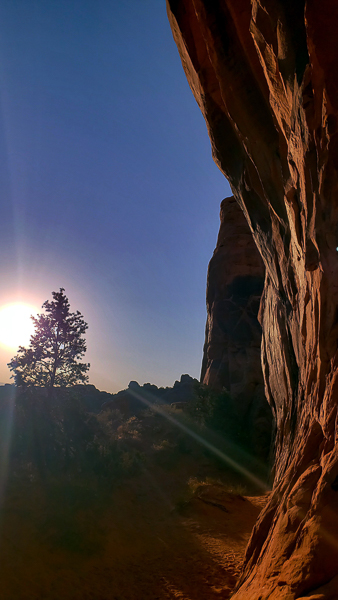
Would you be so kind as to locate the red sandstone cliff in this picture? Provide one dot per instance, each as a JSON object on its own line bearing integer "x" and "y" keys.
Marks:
{"x": 232, "y": 349}
{"x": 264, "y": 74}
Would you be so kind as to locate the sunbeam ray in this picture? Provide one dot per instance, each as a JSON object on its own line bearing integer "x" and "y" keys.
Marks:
{"x": 6, "y": 427}
{"x": 198, "y": 438}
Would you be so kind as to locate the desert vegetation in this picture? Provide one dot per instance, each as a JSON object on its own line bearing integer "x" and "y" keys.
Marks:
{"x": 73, "y": 460}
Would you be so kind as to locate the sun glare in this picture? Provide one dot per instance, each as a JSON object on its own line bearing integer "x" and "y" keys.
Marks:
{"x": 16, "y": 327}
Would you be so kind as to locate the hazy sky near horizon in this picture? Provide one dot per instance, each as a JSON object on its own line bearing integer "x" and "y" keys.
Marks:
{"x": 107, "y": 184}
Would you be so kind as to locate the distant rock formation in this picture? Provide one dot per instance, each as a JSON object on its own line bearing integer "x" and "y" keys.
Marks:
{"x": 138, "y": 397}
{"x": 232, "y": 349}
{"x": 129, "y": 402}
{"x": 265, "y": 76}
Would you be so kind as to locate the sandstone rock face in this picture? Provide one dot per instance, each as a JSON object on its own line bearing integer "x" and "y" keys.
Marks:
{"x": 232, "y": 349}
{"x": 264, "y": 73}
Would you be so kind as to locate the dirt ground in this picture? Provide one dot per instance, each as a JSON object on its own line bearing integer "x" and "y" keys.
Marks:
{"x": 154, "y": 538}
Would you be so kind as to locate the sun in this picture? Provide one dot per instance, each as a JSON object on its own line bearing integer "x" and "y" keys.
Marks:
{"x": 16, "y": 326}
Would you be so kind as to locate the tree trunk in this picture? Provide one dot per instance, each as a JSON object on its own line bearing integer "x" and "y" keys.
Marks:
{"x": 56, "y": 356}
{"x": 264, "y": 74}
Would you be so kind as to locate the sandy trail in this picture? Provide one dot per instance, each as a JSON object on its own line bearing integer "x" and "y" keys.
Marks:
{"x": 146, "y": 543}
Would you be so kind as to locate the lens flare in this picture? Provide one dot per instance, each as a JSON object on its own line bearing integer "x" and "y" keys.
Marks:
{"x": 198, "y": 438}
{"x": 6, "y": 426}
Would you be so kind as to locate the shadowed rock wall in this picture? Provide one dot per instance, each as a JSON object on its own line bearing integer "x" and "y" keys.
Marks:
{"x": 265, "y": 76}
{"x": 232, "y": 349}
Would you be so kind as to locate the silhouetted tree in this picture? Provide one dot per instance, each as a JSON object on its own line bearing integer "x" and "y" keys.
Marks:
{"x": 52, "y": 358}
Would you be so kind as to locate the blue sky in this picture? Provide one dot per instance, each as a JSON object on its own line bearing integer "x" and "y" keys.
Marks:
{"x": 107, "y": 185}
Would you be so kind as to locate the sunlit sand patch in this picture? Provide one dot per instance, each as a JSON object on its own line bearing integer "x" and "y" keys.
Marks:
{"x": 216, "y": 547}
{"x": 174, "y": 592}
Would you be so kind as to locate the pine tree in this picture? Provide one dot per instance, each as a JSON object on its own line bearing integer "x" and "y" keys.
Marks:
{"x": 52, "y": 358}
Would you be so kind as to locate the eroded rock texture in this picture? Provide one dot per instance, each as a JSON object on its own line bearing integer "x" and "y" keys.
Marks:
{"x": 265, "y": 76}
{"x": 232, "y": 349}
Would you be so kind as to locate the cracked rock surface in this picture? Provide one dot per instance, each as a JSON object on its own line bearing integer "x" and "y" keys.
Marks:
{"x": 264, "y": 74}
